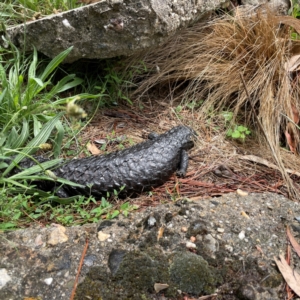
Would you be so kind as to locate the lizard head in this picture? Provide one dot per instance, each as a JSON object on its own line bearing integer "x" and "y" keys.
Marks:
{"x": 189, "y": 136}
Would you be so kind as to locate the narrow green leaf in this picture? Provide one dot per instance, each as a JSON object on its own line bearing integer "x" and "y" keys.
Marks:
{"x": 114, "y": 214}
{"x": 32, "y": 146}
{"x": 36, "y": 169}
{"x": 38, "y": 81}
{"x": 24, "y": 134}
{"x": 15, "y": 183}
{"x": 68, "y": 182}
{"x": 33, "y": 65}
{"x": 4, "y": 226}
{"x": 37, "y": 125}
{"x": 12, "y": 138}
{"x": 65, "y": 84}
{"x": 3, "y": 77}
{"x": 54, "y": 63}
{"x": 2, "y": 95}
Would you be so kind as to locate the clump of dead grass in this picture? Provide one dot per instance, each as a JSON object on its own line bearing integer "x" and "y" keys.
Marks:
{"x": 211, "y": 61}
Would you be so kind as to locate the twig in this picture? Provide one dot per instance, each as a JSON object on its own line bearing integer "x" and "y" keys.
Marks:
{"x": 79, "y": 269}
{"x": 266, "y": 163}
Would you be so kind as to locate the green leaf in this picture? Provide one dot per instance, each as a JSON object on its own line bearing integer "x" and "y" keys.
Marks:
{"x": 37, "y": 168}
{"x": 236, "y": 134}
{"x": 2, "y": 95}
{"x": 114, "y": 214}
{"x": 66, "y": 83}
{"x": 68, "y": 182}
{"x": 124, "y": 206}
{"x": 3, "y": 165}
{"x": 241, "y": 128}
{"x": 54, "y": 63}
{"x": 37, "y": 125}
{"x": 38, "y": 81}
{"x": 33, "y": 145}
{"x": 33, "y": 65}
{"x": 7, "y": 225}
{"x": 229, "y": 132}
{"x": 24, "y": 134}
{"x": 12, "y": 138}
{"x": 227, "y": 115}
{"x": 3, "y": 77}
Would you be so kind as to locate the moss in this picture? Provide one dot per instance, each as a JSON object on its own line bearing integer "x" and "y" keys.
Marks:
{"x": 133, "y": 280}
{"x": 192, "y": 274}
{"x": 138, "y": 271}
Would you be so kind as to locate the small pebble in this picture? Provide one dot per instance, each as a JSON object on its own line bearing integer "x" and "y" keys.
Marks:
{"x": 221, "y": 230}
{"x": 241, "y": 193}
{"x": 89, "y": 260}
{"x": 190, "y": 245}
{"x": 4, "y": 278}
{"x": 242, "y": 235}
{"x": 48, "y": 281}
{"x": 184, "y": 229}
{"x": 229, "y": 248}
{"x": 160, "y": 286}
{"x": 245, "y": 215}
{"x": 57, "y": 235}
{"x": 192, "y": 239}
{"x": 151, "y": 221}
{"x": 103, "y": 236}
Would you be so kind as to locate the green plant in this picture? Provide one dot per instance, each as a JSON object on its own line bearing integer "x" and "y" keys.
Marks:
{"x": 47, "y": 6}
{"x": 35, "y": 110}
{"x": 29, "y": 98}
{"x": 235, "y": 131}
{"x": 20, "y": 180}
{"x": 13, "y": 12}
{"x": 113, "y": 82}
{"x": 294, "y": 10}
{"x": 124, "y": 208}
{"x": 33, "y": 113}
{"x": 238, "y": 132}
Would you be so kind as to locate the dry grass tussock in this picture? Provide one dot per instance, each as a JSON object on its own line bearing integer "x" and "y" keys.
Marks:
{"x": 210, "y": 61}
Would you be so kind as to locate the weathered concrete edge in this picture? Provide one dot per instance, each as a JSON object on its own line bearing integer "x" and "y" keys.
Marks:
{"x": 108, "y": 28}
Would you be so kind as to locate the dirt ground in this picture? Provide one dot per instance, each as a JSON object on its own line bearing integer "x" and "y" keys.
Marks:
{"x": 217, "y": 165}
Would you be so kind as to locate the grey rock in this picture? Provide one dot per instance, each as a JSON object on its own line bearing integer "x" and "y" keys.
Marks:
{"x": 109, "y": 28}
{"x": 248, "y": 7}
{"x": 238, "y": 269}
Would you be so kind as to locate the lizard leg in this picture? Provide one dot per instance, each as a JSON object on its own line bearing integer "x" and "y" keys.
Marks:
{"x": 183, "y": 164}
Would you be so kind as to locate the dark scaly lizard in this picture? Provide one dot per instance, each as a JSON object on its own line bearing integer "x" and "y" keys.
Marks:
{"x": 136, "y": 169}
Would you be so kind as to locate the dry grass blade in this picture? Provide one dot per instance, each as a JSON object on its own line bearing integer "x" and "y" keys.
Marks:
{"x": 266, "y": 163}
{"x": 208, "y": 61}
